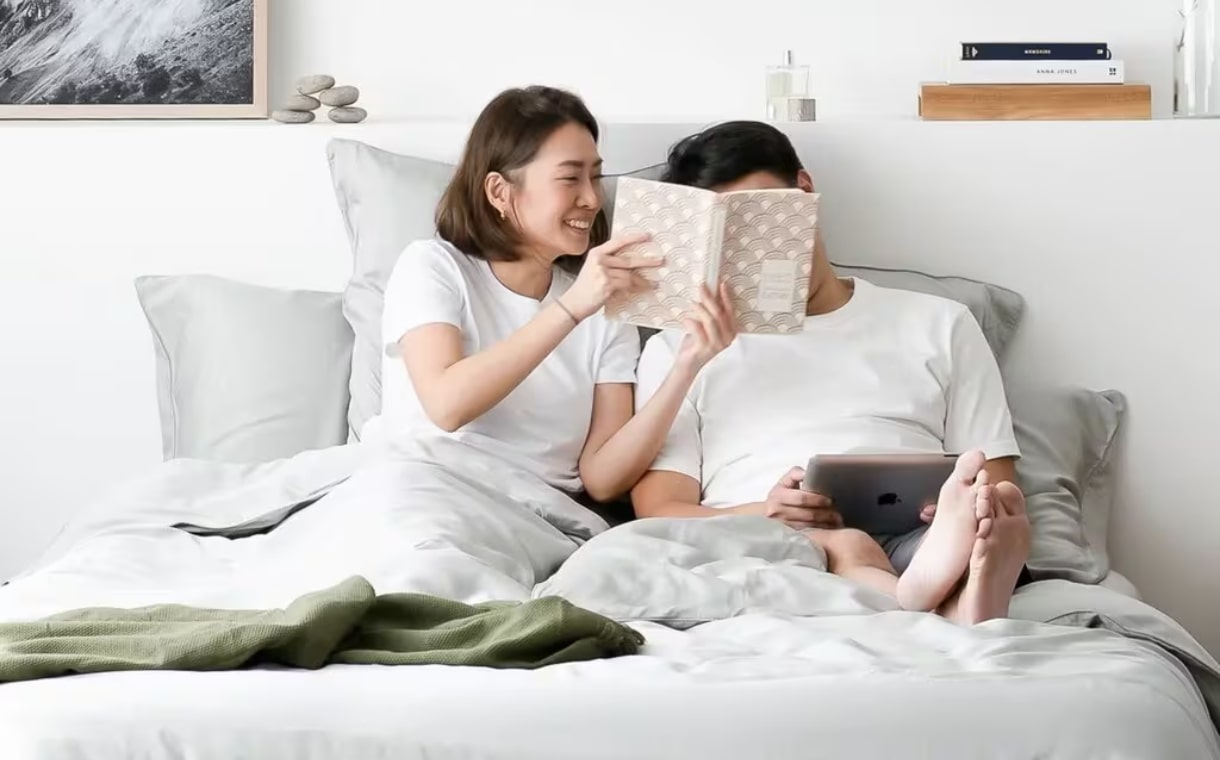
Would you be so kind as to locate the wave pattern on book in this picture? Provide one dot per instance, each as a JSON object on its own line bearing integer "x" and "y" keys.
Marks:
{"x": 766, "y": 241}
{"x": 759, "y": 241}
{"x": 681, "y": 225}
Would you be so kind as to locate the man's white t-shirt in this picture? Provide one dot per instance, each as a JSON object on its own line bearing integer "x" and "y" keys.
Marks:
{"x": 891, "y": 371}
{"x": 542, "y": 424}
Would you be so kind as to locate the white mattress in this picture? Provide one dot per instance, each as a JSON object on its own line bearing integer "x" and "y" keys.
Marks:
{"x": 890, "y": 685}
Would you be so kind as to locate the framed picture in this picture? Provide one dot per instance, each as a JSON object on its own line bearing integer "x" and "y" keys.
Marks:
{"x": 133, "y": 59}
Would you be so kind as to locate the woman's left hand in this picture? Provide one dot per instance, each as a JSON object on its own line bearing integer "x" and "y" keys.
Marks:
{"x": 710, "y": 329}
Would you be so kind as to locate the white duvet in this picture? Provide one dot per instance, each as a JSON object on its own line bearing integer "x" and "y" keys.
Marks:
{"x": 752, "y": 649}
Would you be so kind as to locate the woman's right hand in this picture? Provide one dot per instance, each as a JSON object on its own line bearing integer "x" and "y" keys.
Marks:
{"x": 605, "y": 273}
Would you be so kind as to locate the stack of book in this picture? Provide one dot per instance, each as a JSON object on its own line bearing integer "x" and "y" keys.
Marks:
{"x": 1042, "y": 80}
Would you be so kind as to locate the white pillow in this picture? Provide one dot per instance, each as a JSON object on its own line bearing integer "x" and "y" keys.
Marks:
{"x": 1068, "y": 437}
{"x": 246, "y": 373}
{"x": 387, "y": 201}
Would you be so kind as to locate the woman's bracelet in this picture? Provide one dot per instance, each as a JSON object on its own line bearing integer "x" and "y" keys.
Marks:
{"x": 567, "y": 311}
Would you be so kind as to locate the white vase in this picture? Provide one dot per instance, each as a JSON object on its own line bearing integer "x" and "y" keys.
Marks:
{"x": 1196, "y": 81}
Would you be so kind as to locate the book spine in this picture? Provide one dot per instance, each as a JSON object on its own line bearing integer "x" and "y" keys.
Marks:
{"x": 1020, "y": 51}
{"x": 1002, "y": 102}
{"x": 1037, "y": 72}
{"x": 715, "y": 254}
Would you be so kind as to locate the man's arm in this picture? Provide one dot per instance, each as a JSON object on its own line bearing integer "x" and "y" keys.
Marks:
{"x": 977, "y": 415}
{"x": 663, "y": 493}
{"x": 672, "y": 488}
{"x": 1001, "y": 469}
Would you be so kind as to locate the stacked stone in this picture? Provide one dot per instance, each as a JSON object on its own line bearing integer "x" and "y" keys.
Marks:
{"x": 312, "y": 93}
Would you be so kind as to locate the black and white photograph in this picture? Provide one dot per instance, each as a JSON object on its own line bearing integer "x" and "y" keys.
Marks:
{"x": 132, "y": 58}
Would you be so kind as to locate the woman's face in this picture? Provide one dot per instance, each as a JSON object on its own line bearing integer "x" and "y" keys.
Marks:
{"x": 557, "y": 195}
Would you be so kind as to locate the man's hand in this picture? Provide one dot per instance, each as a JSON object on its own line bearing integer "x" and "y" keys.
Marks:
{"x": 796, "y": 508}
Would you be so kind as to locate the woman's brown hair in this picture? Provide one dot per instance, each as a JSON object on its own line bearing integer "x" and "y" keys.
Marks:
{"x": 506, "y": 136}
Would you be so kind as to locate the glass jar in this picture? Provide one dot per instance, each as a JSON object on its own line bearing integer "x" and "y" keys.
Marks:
{"x": 784, "y": 82}
{"x": 1196, "y": 80}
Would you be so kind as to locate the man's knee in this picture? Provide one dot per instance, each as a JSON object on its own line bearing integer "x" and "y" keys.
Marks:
{"x": 848, "y": 547}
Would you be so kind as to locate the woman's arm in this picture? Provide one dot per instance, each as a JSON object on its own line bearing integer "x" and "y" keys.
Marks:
{"x": 621, "y": 446}
{"x": 455, "y": 389}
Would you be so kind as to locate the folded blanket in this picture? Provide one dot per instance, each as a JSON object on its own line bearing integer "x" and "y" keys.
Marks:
{"x": 347, "y": 623}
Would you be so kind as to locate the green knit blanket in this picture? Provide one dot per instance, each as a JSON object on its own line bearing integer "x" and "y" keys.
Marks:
{"x": 347, "y": 623}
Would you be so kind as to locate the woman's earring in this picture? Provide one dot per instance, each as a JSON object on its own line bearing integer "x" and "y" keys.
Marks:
{"x": 502, "y": 215}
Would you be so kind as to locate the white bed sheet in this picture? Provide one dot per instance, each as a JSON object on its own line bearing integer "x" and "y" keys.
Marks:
{"x": 1116, "y": 581}
{"x": 791, "y": 662}
{"x": 893, "y": 685}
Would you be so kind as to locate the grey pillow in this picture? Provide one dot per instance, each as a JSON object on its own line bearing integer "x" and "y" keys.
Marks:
{"x": 246, "y": 373}
{"x": 387, "y": 200}
{"x": 1067, "y": 437}
{"x": 997, "y": 310}
{"x": 610, "y": 186}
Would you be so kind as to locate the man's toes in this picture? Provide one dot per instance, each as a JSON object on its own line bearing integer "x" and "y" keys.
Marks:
{"x": 1009, "y": 498}
{"x": 985, "y": 526}
{"x": 968, "y": 466}
{"x": 984, "y": 503}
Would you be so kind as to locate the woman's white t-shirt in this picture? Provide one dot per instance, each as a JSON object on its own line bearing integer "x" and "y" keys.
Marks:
{"x": 542, "y": 424}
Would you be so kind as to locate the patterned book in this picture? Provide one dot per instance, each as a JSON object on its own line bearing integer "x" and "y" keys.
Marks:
{"x": 759, "y": 241}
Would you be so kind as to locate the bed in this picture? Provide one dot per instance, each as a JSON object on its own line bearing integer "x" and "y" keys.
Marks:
{"x": 752, "y": 650}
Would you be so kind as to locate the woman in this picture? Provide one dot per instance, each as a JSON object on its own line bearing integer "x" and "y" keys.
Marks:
{"x": 504, "y": 390}
{"x": 492, "y": 341}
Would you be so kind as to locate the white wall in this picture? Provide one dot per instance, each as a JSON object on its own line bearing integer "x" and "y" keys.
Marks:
{"x": 675, "y": 60}
{"x": 1104, "y": 227}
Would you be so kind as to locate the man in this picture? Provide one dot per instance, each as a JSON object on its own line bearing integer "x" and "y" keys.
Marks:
{"x": 873, "y": 369}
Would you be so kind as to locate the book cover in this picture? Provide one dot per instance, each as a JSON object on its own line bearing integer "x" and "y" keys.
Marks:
{"x": 759, "y": 241}
{"x": 1017, "y": 51}
{"x": 1036, "y": 72}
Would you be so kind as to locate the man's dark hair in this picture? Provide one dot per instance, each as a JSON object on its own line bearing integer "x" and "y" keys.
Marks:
{"x": 506, "y": 136}
{"x": 729, "y": 151}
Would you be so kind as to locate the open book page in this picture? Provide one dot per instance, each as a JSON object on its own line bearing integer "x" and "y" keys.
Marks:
{"x": 767, "y": 256}
{"x": 685, "y": 223}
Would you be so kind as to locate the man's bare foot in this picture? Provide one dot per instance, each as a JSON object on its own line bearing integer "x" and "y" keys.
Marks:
{"x": 943, "y": 555}
{"x": 996, "y": 560}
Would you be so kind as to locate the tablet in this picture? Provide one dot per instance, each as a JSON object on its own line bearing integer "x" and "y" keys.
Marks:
{"x": 880, "y": 494}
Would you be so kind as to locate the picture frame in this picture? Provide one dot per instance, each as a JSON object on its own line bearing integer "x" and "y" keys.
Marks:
{"x": 134, "y": 59}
